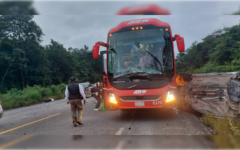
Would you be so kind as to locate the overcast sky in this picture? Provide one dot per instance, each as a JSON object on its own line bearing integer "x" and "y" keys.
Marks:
{"x": 77, "y": 31}
{"x": 176, "y": 7}
{"x": 66, "y": 23}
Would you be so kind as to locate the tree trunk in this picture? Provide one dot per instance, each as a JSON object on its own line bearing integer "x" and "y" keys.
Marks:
{"x": 26, "y": 71}
{"x": 7, "y": 70}
{"x": 23, "y": 86}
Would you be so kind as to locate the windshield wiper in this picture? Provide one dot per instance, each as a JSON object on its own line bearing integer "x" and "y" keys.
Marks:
{"x": 155, "y": 58}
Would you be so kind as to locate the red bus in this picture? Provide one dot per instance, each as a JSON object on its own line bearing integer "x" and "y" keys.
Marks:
{"x": 144, "y": 9}
{"x": 138, "y": 65}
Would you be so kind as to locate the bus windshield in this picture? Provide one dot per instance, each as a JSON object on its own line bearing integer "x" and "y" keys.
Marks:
{"x": 147, "y": 51}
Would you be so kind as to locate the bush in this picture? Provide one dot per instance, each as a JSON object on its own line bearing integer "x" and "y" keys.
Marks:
{"x": 228, "y": 67}
{"x": 46, "y": 92}
{"x": 62, "y": 87}
{"x": 56, "y": 91}
{"x": 30, "y": 95}
{"x": 34, "y": 95}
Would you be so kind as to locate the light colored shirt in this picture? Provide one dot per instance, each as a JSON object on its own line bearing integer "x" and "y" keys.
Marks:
{"x": 81, "y": 90}
{"x": 144, "y": 60}
{"x": 147, "y": 59}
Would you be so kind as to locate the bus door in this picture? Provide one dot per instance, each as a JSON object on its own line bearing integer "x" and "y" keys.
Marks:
{"x": 103, "y": 56}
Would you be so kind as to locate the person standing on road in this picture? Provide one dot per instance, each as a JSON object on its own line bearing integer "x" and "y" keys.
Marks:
{"x": 74, "y": 94}
{"x": 96, "y": 94}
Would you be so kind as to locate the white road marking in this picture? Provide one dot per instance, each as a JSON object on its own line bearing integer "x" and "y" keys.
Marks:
{"x": 120, "y": 131}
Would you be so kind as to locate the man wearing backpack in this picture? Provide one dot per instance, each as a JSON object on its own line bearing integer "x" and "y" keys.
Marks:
{"x": 74, "y": 94}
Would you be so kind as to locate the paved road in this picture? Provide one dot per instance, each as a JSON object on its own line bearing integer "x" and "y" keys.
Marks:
{"x": 26, "y": 128}
{"x": 54, "y": 118}
{"x": 104, "y": 142}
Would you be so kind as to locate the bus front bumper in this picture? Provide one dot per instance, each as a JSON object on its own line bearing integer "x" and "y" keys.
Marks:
{"x": 143, "y": 105}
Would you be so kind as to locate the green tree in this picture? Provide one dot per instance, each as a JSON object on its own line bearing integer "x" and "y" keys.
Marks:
{"x": 63, "y": 64}
{"x": 218, "y": 52}
{"x": 20, "y": 39}
{"x": 25, "y": 62}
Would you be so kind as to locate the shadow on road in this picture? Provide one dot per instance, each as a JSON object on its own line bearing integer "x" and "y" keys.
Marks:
{"x": 146, "y": 114}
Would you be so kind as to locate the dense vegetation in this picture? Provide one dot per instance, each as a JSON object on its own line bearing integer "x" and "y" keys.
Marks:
{"x": 31, "y": 95}
{"x": 25, "y": 62}
{"x": 218, "y": 52}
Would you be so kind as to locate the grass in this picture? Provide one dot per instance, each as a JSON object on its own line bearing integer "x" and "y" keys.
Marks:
{"x": 225, "y": 141}
{"x": 31, "y": 95}
{"x": 228, "y": 129}
{"x": 222, "y": 126}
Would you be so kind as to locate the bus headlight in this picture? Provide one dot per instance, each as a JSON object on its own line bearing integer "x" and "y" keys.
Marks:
{"x": 112, "y": 98}
{"x": 170, "y": 96}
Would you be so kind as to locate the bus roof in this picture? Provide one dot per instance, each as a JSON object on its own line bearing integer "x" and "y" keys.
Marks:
{"x": 143, "y": 8}
{"x": 146, "y": 21}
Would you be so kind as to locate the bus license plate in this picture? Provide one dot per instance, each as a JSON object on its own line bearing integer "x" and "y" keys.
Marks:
{"x": 139, "y": 104}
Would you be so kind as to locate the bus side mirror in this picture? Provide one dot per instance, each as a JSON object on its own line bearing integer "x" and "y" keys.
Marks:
{"x": 96, "y": 47}
{"x": 180, "y": 43}
{"x": 95, "y": 51}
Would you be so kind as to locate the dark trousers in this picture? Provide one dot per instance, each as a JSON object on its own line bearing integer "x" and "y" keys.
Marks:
{"x": 97, "y": 97}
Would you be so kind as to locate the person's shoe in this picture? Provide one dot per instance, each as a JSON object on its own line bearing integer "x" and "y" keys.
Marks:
{"x": 79, "y": 123}
{"x": 96, "y": 109}
{"x": 75, "y": 124}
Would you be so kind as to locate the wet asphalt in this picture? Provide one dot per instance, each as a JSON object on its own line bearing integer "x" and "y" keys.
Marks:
{"x": 54, "y": 118}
